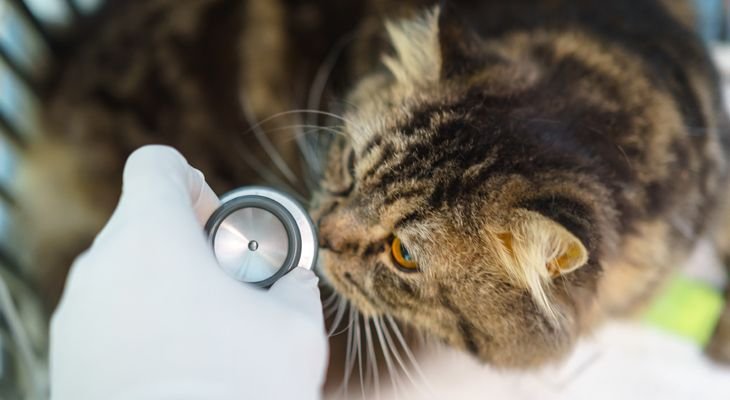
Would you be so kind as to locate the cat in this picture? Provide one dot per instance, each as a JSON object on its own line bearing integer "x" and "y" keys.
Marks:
{"x": 543, "y": 165}
{"x": 505, "y": 175}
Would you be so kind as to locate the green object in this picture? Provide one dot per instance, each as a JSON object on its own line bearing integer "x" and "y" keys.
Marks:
{"x": 688, "y": 308}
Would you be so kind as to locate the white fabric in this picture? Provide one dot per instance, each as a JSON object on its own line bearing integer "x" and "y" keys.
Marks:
{"x": 148, "y": 314}
{"x": 623, "y": 361}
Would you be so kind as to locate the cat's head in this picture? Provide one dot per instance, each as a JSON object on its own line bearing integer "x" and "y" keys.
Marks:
{"x": 440, "y": 209}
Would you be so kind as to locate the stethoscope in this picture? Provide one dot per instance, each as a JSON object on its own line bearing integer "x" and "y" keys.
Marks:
{"x": 259, "y": 234}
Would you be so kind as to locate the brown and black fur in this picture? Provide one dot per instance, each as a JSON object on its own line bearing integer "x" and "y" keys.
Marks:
{"x": 585, "y": 138}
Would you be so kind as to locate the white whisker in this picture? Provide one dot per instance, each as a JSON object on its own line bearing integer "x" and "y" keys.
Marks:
{"x": 316, "y": 91}
{"x": 392, "y": 373}
{"x": 299, "y": 111}
{"x": 268, "y": 146}
{"x": 407, "y": 350}
{"x": 309, "y": 153}
{"x": 341, "y": 306}
{"x": 347, "y": 327}
{"x": 310, "y": 159}
{"x": 297, "y": 130}
{"x": 399, "y": 359}
{"x": 329, "y": 300}
{"x": 360, "y": 354}
{"x": 349, "y": 356}
{"x": 330, "y": 308}
{"x": 258, "y": 167}
{"x": 372, "y": 359}
{"x": 312, "y": 128}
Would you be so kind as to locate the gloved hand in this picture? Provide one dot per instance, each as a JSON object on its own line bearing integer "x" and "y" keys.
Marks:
{"x": 148, "y": 314}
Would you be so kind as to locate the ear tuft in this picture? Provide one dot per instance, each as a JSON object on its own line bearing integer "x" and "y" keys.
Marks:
{"x": 535, "y": 250}
{"x": 417, "y": 58}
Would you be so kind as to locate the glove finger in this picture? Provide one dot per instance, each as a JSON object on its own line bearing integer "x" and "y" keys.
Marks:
{"x": 206, "y": 201}
{"x": 299, "y": 290}
{"x": 160, "y": 185}
{"x": 159, "y": 171}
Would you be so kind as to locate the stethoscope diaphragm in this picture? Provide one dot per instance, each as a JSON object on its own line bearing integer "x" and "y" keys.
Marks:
{"x": 258, "y": 234}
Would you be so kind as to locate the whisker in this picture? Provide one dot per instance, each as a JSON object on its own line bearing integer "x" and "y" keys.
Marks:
{"x": 341, "y": 305}
{"x": 360, "y": 354}
{"x": 347, "y": 327}
{"x": 386, "y": 354}
{"x": 329, "y": 300}
{"x": 332, "y": 306}
{"x": 313, "y": 168}
{"x": 344, "y": 102}
{"x": 297, "y": 111}
{"x": 328, "y": 313}
{"x": 268, "y": 146}
{"x": 406, "y": 349}
{"x": 310, "y": 160}
{"x": 312, "y": 129}
{"x": 349, "y": 357}
{"x": 399, "y": 359}
{"x": 257, "y": 166}
{"x": 308, "y": 149}
{"x": 316, "y": 90}
{"x": 372, "y": 359}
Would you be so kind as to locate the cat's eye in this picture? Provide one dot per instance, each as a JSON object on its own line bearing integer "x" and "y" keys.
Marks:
{"x": 402, "y": 256}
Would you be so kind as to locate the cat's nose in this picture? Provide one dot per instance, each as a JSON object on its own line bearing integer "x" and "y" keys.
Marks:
{"x": 336, "y": 232}
{"x": 328, "y": 237}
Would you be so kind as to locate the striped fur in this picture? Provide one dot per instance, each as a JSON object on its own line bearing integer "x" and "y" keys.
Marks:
{"x": 550, "y": 177}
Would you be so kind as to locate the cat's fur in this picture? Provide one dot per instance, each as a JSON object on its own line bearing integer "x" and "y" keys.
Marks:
{"x": 547, "y": 163}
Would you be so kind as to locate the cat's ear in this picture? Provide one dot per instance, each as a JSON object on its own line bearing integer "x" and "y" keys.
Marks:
{"x": 434, "y": 45}
{"x": 460, "y": 45}
{"x": 534, "y": 250}
{"x": 417, "y": 58}
{"x": 539, "y": 244}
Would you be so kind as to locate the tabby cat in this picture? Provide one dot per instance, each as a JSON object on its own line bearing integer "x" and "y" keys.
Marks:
{"x": 505, "y": 175}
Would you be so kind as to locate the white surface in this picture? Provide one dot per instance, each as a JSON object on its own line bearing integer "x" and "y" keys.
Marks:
{"x": 623, "y": 361}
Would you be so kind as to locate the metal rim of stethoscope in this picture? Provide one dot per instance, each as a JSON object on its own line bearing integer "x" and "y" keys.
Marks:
{"x": 300, "y": 230}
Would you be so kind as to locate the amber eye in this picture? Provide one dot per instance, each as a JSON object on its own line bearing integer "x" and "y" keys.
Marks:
{"x": 401, "y": 255}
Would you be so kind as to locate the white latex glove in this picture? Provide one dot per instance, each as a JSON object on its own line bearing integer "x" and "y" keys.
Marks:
{"x": 148, "y": 314}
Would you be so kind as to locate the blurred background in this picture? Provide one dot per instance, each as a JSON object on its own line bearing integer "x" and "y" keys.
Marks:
{"x": 34, "y": 32}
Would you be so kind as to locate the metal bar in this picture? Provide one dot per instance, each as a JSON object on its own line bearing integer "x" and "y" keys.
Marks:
{"x": 51, "y": 42}
{"x": 12, "y": 264}
{"x": 725, "y": 21}
{"x": 7, "y": 197}
{"x": 75, "y": 12}
{"x": 19, "y": 72}
{"x": 12, "y": 132}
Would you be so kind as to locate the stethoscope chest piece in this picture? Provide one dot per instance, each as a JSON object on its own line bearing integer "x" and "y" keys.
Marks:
{"x": 259, "y": 234}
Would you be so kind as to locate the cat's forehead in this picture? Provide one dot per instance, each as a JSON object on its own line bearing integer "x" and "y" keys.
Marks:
{"x": 436, "y": 164}
{"x": 401, "y": 123}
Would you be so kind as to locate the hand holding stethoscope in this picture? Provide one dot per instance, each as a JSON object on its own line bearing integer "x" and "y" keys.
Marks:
{"x": 147, "y": 313}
